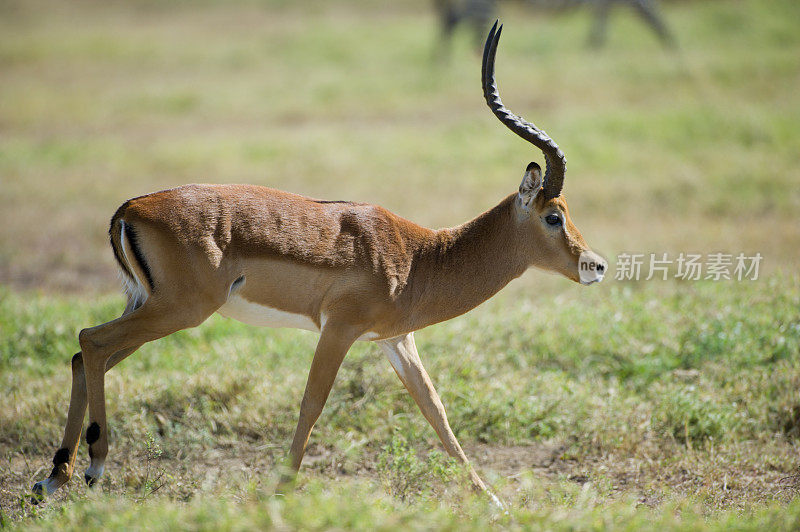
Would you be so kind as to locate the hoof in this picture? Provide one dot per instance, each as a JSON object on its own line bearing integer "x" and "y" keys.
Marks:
{"x": 38, "y": 492}
{"x": 93, "y": 474}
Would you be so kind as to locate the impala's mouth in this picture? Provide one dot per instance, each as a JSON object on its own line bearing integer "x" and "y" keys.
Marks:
{"x": 591, "y": 267}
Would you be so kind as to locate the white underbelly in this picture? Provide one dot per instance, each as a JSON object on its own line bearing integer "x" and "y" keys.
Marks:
{"x": 240, "y": 309}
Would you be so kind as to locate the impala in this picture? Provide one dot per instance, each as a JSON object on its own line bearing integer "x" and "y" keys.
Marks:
{"x": 478, "y": 14}
{"x": 350, "y": 271}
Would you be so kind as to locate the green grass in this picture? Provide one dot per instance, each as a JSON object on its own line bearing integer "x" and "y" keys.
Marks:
{"x": 361, "y": 509}
{"x": 655, "y": 405}
{"x": 634, "y": 401}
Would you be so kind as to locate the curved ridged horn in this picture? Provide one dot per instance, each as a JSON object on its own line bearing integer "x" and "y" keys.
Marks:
{"x": 554, "y": 157}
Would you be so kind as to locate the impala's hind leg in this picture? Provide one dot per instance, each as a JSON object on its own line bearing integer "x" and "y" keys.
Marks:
{"x": 103, "y": 345}
{"x": 402, "y": 353}
{"x": 64, "y": 459}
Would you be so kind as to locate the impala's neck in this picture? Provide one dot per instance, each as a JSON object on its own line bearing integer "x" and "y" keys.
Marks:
{"x": 468, "y": 264}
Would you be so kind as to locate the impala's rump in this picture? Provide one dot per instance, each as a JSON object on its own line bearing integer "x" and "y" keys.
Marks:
{"x": 134, "y": 271}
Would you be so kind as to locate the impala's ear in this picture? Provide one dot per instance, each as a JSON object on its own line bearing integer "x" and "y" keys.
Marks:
{"x": 531, "y": 184}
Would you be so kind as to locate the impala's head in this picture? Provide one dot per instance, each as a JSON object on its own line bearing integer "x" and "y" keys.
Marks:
{"x": 555, "y": 243}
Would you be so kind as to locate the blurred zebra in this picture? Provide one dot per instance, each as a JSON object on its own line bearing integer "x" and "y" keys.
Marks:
{"x": 479, "y": 14}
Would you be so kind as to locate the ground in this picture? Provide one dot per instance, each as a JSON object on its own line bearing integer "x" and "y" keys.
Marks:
{"x": 651, "y": 404}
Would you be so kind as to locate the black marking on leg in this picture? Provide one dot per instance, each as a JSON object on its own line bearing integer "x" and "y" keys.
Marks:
{"x": 91, "y": 453}
{"x": 92, "y": 434}
{"x": 90, "y": 481}
{"x": 61, "y": 457}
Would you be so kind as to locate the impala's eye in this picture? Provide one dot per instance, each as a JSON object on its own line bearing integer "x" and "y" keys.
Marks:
{"x": 553, "y": 219}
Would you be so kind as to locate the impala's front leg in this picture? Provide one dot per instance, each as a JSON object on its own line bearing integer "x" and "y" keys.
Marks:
{"x": 402, "y": 353}
{"x": 334, "y": 342}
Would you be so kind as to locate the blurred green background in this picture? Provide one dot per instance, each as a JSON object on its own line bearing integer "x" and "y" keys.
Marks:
{"x": 652, "y": 404}
{"x": 693, "y": 151}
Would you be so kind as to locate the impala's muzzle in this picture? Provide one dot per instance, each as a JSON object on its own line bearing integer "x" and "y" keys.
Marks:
{"x": 591, "y": 267}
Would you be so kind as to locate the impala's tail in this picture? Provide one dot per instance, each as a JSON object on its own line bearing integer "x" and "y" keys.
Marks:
{"x": 133, "y": 267}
